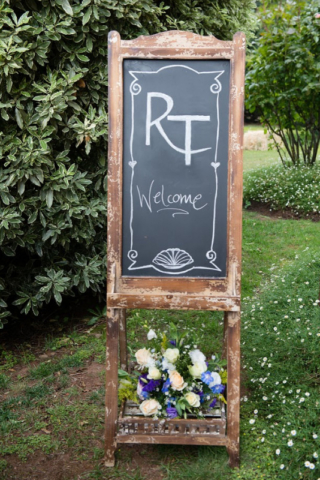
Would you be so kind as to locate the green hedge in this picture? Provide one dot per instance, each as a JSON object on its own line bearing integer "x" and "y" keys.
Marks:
{"x": 53, "y": 124}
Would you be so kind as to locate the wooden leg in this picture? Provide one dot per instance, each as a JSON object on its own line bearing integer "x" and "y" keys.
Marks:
{"x": 225, "y": 336}
{"x": 123, "y": 340}
{"x": 233, "y": 388}
{"x": 113, "y": 321}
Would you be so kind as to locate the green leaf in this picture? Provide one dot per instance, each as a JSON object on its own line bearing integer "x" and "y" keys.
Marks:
{"x": 86, "y": 16}
{"x": 5, "y": 198}
{"x": 67, "y": 7}
{"x": 9, "y": 84}
{"x": 58, "y": 297}
{"x": 49, "y": 198}
{"x": 20, "y": 301}
{"x": 83, "y": 58}
{"x": 19, "y": 118}
{"x": 89, "y": 44}
{"x": 33, "y": 217}
{"x": 4, "y": 114}
{"x": 43, "y": 145}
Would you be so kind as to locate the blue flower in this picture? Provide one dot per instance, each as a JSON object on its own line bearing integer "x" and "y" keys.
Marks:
{"x": 144, "y": 394}
{"x": 173, "y": 342}
{"x": 172, "y": 412}
{"x": 218, "y": 389}
{"x": 166, "y": 386}
{"x": 213, "y": 403}
{"x": 207, "y": 377}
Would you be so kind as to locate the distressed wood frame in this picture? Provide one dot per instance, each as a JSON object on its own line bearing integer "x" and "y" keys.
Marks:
{"x": 174, "y": 293}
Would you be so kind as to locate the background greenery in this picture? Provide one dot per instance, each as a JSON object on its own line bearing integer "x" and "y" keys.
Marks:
{"x": 53, "y": 126}
{"x": 283, "y": 78}
{"x": 296, "y": 189}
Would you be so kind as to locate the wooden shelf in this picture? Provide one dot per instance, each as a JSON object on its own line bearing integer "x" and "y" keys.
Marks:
{"x": 133, "y": 427}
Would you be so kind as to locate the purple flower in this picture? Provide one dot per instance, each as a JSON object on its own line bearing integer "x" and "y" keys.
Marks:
{"x": 148, "y": 385}
{"x": 200, "y": 393}
{"x": 152, "y": 385}
{"x": 218, "y": 389}
{"x": 172, "y": 412}
{"x": 142, "y": 378}
{"x": 173, "y": 342}
{"x": 166, "y": 386}
{"x": 213, "y": 403}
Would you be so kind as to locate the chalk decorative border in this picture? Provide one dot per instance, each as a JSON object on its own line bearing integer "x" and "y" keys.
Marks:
{"x": 169, "y": 267}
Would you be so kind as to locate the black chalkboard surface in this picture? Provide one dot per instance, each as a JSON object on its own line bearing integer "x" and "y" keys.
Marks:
{"x": 175, "y": 168}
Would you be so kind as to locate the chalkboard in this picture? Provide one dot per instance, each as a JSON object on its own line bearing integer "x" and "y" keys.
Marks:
{"x": 175, "y": 168}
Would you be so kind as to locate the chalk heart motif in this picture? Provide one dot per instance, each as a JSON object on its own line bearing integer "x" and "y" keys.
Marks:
{"x": 132, "y": 163}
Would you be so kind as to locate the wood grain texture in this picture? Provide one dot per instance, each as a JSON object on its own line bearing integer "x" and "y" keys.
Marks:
{"x": 233, "y": 388}
{"x": 220, "y": 440}
{"x": 111, "y": 409}
{"x": 123, "y": 339}
{"x": 173, "y": 302}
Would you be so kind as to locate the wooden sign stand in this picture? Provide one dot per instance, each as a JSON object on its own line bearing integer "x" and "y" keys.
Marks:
{"x": 163, "y": 292}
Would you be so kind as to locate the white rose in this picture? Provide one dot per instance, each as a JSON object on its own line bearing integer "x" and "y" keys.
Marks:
{"x": 151, "y": 334}
{"x": 216, "y": 379}
{"x": 167, "y": 365}
{"x": 193, "y": 399}
{"x": 197, "y": 356}
{"x": 177, "y": 382}
{"x": 171, "y": 354}
{"x": 197, "y": 369}
{"x": 150, "y": 407}
{"x": 154, "y": 373}
{"x": 144, "y": 358}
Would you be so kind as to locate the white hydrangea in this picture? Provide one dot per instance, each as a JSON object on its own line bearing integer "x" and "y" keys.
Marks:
{"x": 197, "y": 356}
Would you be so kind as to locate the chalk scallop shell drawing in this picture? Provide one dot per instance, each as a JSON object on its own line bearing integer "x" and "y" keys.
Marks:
{"x": 173, "y": 258}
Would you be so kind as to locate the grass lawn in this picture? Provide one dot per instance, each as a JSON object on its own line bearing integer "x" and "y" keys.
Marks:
{"x": 252, "y": 126}
{"x": 52, "y": 395}
{"x": 255, "y": 159}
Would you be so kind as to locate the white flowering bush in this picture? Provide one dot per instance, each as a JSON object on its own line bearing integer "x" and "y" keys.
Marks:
{"x": 174, "y": 378}
{"x": 281, "y": 347}
{"x": 295, "y": 189}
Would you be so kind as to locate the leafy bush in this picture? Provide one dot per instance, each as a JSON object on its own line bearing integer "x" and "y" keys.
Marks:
{"x": 281, "y": 350}
{"x": 53, "y": 146}
{"x": 283, "y": 78}
{"x": 296, "y": 188}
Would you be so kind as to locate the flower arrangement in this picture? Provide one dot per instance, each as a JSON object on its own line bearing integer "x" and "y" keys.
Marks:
{"x": 173, "y": 378}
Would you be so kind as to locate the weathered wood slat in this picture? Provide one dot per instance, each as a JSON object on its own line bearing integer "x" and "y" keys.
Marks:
{"x": 180, "y": 421}
{"x": 173, "y": 302}
{"x": 198, "y": 439}
{"x": 123, "y": 340}
{"x": 111, "y": 410}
